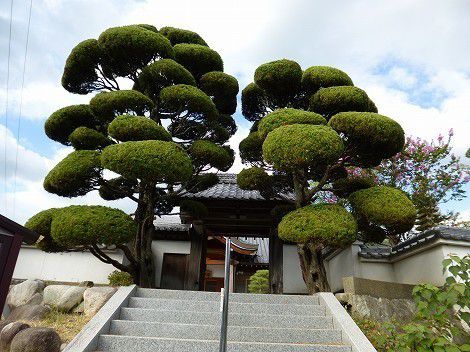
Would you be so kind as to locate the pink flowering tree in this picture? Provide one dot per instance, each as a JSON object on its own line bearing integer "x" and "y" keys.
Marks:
{"x": 430, "y": 174}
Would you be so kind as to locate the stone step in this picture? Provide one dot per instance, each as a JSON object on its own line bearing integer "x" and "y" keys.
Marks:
{"x": 234, "y": 297}
{"x": 235, "y": 333}
{"x": 236, "y": 307}
{"x": 235, "y": 319}
{"x": 143, "y": 344}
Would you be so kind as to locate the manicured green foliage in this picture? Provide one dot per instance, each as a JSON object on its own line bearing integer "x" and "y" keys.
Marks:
{"x": 253, "y": 102}
{"x": 343, "y": 187}
{"x": 374, "y": 136}
{"x": 385, "y": 207}
{"x": 41, "y": 222}
{"x": 63, "y": 122}
{"x": 316, "y": 77}
{"x": 156, "y": 161}
{"x": 120, "y": 278}
{"x": 107, "y": 105}
{"x": 219, "y": 84}
{"x": 79, "y": 73}
{"x": 148, "y": 27}
{"x": 198, "y": 59}
{"x": 180, "y": 36}
{"x": 130, "y": 48}
{"x": 288, "y": 116}
{"x": 117, "y": 188}
{"x": 217, "y": 133}
{"x": 202, "y": 182}
{"x": 254, "y": 178}
{"x": 205, "y": 153}
{"x": 228, "y": 122}
{"x": 332, "y": 100}
{"x": 328, "y": 224}
{"x": 226, "y": 104}
{"x": 87, "y": 138}
{"x": 82, "y": 225}
{"x": 161, "y": 74}
{"x": 76, "y": 175}
{"x": 251, "y": 148}
{"x": 195, "y": 209}
{"x": 137, "y": 128}
{"x": 301, "y": 146}
{"x": 259, "y": 282}
{"x": 280, "y": 79}
{"x": 181, "y": 97}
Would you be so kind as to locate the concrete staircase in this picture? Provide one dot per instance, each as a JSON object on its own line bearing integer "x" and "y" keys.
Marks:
{"x": 189, "y": 321}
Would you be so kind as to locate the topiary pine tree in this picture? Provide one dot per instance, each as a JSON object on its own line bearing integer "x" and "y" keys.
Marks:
{"x": 158, "y": 137}
{"x": 311, "y": 130}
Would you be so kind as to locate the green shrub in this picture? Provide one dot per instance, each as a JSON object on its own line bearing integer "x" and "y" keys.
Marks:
{"x": 259, "y": 282}
{"x": 433, "y": 328}
{"x": 198, "y": 59}
{"x": 317, "y": 77}
{"x": 279, "y": 78}
{"x": 137, "y": 128}
{"x": 120, "y": 278}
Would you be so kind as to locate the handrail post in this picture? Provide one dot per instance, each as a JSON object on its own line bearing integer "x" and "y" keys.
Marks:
{"x": 226, "y": 291}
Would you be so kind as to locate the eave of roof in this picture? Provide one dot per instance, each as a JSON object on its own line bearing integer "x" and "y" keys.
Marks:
{"x": 29, "y": 236}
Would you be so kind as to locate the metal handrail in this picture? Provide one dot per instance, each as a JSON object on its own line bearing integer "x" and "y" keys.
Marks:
{"x": 225, "y": 296}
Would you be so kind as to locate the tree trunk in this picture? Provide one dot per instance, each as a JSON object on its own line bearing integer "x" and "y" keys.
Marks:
{"x": 313, "y": 269}
{"x": 144, "y": 216}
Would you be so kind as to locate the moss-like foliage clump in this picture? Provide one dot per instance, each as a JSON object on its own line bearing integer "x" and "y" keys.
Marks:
{"x": 332, "y": 100}
{"x": 80, "y": 68}
{"x": 181, "y": 97}
{"x": 219, "y": 84}
{"x": 317, "y": 77}
{"x": 327, "y": 224}
{"x": 137, "y": 128}
{"x": 297, "y": 146}
{"x": 254, "y": 178}
{"x": 343, "y": 187}
{"x": 288, "y": 116}
{"x": 280, "y": 79}
{"x": 259, "y": 282}
{"x": 120, "y": 278}
{"x": 198, "y": 59}
{"x": 205, "y": 152}
{"x": 180, "y": 36}
{"x": 251, "y": 148}
{"x": 82, "y": 225}
{"x": 130, "y": 48}
{"x": 41, "y": 222}
{"x": 63, "y": 122}
{"x": 374, "y": 136}
{"x": 75, "y": 175}
{"x": 87, "y": 138}
{"x": 117, "y": 188}
{"x": 149, "y": 27}
{"x": 384, "y": 207}
{"x": 195, "y": 209}
{"x": 107, "y": 105}
{"x": 201, "y": 182}
{"x": 161, "y": 74}
{"x": 253, "y": 102}
{"x": 156, "y": 161}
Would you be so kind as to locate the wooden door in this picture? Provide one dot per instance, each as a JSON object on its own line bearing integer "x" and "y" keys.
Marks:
{"x": 173, "y": 271}
{"x": 9, "y": 250}
{"x": 214, "y": 284}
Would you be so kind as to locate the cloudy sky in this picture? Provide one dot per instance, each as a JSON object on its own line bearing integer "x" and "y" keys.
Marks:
{"x": 412, "y": 57}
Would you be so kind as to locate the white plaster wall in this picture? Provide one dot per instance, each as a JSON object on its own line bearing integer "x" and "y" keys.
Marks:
{"x": 161, "y": 247}
{"x": 339, "y": 266}
{"x": 292, "y": 275}
{"x": 216, "y": 270}
{"x": 33, "y": 263}
{"x": 426, "y": 267}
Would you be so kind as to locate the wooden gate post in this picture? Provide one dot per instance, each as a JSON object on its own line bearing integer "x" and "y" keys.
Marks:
{"x": 9, "y": 249}
{"x": 276, "y": 263}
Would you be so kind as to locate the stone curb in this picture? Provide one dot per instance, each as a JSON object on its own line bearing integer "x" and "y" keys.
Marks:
{"x": 87, "y": 338}
{"x": 341, "y": 320}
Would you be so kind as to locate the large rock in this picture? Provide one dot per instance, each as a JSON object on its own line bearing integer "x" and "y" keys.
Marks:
{"x": 29, "y": 312}
{"x": 63, "y": 297}
{"x": 378, "y": 309}
{"x": 22, "y": 293}
{"x": 95, "y": 298}
{"x": 36, "y": 340}
{"x": 9, "y": 332}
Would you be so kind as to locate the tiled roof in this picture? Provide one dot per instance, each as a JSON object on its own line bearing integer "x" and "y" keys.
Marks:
{"x": 170, "y": 224}
{"x": 262, "y": 254}
{"x": 441, "y": 232}
{"x": 227, "y": 188}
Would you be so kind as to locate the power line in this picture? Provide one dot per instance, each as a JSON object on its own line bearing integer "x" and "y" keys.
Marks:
{"x": 21, "y": 106}
{"x": 6, "y": 105}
